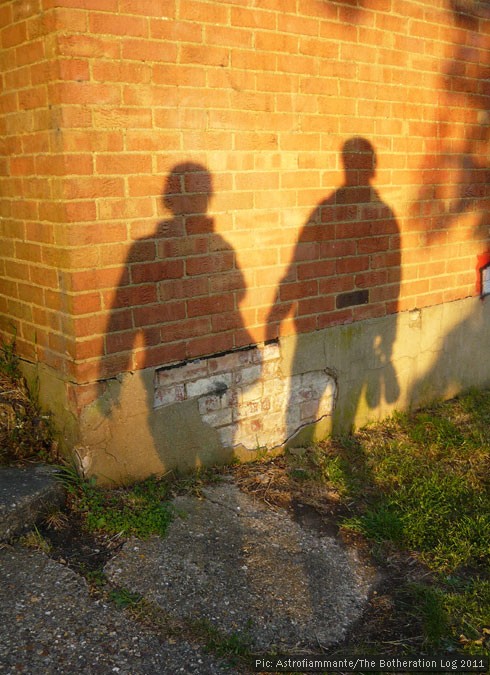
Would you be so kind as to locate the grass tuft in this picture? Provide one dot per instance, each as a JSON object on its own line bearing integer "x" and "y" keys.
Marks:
{"x": 141, "y": 510}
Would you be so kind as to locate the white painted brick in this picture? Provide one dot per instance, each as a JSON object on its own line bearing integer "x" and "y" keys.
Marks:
{"x": 299, "y": 392}
{"x": 271, "y": 352}
{"x": 275, "y": 387}
{"x": 293, "y": 420}
{"x": 278, "y": 404}
{"x": 169, "y": 395}
{"x": 218, "y": 418}
{"x": 270, "y": 370}
{"x": 246, "y": 376}
{"x": 230, "y": 398}
{"x": 165, "y": 378}
{"x": 229, "y": 362}
{"x": 249, "y": 409}
{"x": 207, "y": 385}
{"x": 189, "y": 371}
{"x": 266, "y": 403}
{"x": 274, "y": 425}
{"x": 247, "y": 356}
{"x": 209, "y": 403}
{"x": 252, "y": 393}
{"x": 251, "y": 437}
{"x": 198, "y": 368}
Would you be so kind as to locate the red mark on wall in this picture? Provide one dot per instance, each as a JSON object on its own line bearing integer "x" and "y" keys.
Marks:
{"x": 483, "y": 261}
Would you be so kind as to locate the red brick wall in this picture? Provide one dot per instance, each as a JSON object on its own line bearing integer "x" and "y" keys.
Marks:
{"x": 180, "y": 178}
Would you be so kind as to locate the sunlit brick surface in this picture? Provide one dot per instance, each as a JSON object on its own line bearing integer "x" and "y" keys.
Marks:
{"x": 175, "y": 181}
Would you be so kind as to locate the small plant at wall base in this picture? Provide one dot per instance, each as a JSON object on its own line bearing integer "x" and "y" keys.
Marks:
{"x": 26, "y": 432}
{"x": 140, "y": 510}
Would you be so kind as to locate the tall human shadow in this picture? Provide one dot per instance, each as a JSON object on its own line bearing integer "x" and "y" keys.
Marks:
{"x": 345, "y": 268}
{"x": 178, "y": 300}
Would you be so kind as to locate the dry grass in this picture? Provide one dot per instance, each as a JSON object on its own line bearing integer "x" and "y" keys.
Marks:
{"x": 26, "y": 433}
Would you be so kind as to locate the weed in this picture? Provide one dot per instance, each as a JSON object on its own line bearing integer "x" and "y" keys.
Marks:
{"x": 140, "y": 510}
{"x": 379, "y": 524}
{"x": 426, "y": 604}
{"x": 95, "y": 578}
{"x": 193, "y": 482}
{"x": 9, "y": 361}
{"x": 221, "y": 644}
{"x": 57, "y": 520}
{"x": 123, "y": 598}
{"x": 35, "y": 540}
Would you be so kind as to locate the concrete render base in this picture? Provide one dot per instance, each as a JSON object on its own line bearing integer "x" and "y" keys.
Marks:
{"x": 371, "y": 368}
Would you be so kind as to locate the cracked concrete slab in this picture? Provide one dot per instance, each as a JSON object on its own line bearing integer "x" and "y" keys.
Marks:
{"x": 50, "y": 624}
{"x": 247, "y": 570}
{"x": 27, "y": 494}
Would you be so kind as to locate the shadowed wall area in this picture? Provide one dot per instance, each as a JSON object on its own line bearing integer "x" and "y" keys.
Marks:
{"x": 315, "y": 259}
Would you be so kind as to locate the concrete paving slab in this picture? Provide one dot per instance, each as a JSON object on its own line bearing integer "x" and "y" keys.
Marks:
{"x": 50, "y": 624}
{"x": 26, "y": 494}
{"x": 248, "y": 570}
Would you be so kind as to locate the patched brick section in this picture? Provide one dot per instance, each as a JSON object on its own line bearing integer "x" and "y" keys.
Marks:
{"x": 245, "y": 396}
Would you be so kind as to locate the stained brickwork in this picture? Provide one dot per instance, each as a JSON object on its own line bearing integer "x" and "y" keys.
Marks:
{"x": 187, "y": 177}
{"x": 246, "y": 396}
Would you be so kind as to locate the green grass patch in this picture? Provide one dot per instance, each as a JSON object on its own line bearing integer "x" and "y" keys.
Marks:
{"x": 124, "y": 598}
{"x": 419, "y": 482}
{"x": 141, "y": 510}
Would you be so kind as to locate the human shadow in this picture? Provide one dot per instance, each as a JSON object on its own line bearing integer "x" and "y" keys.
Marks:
{"x": 177, "y": 301}
{"x": 345, "y": 268}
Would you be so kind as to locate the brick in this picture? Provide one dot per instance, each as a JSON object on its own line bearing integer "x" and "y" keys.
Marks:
{"x": 182, "y": 330}
{"x": 121, "y": 71}
{"x": 156, "y": 271}
{"x": 148, "y": 50}
{"x": 73, "y": 69}
{"x": 170, "y": 395}
{"x": 182, "y": 372}
{"x": 205, "y": 12}
{"x": 351, "y": 299}
{"x": 204, "y": 345}
{"x": 13, "y": 35}
{"x": 119, "y": 24}
{"x": 207, "y": 306}
{"x": 216, "y": 384}
{"x": 226, "y": 321}
{"x": 210, "y": 264}
{"x": 88, "y": 46}
{"x": 165, "y": 9}
{"x": 158, "y": 313}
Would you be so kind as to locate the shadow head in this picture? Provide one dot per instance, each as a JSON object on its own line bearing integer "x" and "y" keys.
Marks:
{"x": 359, "y": 160}
{"x": 188, "y": 189}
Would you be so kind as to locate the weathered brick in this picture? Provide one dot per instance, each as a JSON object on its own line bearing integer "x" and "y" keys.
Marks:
{"x": 169, "y": 395}
{"x": 209, "y": 385}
